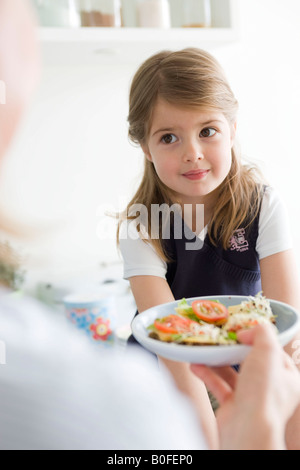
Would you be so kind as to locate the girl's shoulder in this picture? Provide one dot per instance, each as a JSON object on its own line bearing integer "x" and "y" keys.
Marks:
{"x": 274, "y": 225}
{"x": 273, "y": 211}
{"x": 139, "y": 256}
{"x": 133, "y": 229}
{"x": 271, "y": 199}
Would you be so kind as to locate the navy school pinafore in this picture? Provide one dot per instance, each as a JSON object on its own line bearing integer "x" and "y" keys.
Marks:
{"x": 213, "y": 270}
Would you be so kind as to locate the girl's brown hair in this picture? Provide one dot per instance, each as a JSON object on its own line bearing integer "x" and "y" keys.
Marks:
{"x": 190, "y": 78}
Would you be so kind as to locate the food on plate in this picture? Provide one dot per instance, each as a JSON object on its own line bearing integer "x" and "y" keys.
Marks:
{"x": 209, "y": 322}
{"x": 249, "y": 313}
{"x": 174, "y": 328}
{"x": 210, "y": 311}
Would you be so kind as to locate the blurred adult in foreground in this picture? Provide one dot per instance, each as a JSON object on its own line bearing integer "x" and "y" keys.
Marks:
{"x": 59, "y": 392}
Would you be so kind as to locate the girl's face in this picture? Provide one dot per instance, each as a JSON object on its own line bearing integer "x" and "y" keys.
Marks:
{"x": 190, "y": 150}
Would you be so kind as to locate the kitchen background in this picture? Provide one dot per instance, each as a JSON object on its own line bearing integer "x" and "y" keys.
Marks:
{"x": 72, "y": 159}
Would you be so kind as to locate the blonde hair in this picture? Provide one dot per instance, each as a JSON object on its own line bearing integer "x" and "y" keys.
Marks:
{"x": 190, "y": 78}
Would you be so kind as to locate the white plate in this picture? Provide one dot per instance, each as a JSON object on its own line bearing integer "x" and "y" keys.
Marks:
{"x": 287, "y": 322}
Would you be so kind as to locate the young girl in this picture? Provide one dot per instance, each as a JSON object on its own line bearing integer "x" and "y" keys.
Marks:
{"x": 183, "y": 115}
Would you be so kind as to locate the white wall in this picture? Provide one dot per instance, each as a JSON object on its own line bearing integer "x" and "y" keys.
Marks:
{"x": 72, "y": 154}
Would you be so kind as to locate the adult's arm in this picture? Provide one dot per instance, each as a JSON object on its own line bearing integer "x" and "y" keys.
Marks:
{"x": 148, "y": 292}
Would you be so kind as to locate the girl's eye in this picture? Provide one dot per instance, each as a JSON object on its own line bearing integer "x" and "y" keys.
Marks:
{"x": 168, "y": 138}
{"x": 207, "y": 132}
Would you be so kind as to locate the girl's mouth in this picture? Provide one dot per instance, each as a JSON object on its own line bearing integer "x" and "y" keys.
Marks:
{"x": 196, "y": 174}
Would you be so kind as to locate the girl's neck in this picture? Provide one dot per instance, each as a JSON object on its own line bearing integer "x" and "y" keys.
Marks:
{"x": 191, "y": 211}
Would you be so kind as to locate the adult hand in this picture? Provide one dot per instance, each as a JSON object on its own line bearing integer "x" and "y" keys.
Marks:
{"x": 256, "y": 404}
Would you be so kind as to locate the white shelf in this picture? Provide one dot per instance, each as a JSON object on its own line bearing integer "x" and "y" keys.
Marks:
{"x": 91, "y": 45}
{"x": 68, "y": 46}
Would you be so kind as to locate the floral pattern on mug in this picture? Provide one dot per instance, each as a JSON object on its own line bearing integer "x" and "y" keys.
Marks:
{"x": 101, "y": 329}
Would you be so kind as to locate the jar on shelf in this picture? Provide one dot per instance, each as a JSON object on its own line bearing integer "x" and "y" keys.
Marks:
{"x": 196, "y": 14}
{"x": 129, "y": 13}
{"x": 153, "y": 13}
{"x": 104, "y": 13}
{"x": 63, "y": 13}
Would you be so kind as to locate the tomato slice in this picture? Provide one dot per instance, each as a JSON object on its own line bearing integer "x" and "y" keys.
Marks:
{"x": 173, "y": 324}
{"x": 210, "y": 311}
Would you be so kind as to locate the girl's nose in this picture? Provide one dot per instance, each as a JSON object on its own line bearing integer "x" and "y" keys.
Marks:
{"x": 192, "y": 152}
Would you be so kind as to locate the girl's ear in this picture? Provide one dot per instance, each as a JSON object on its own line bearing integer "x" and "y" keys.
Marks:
{"x": 146, "y": 152}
